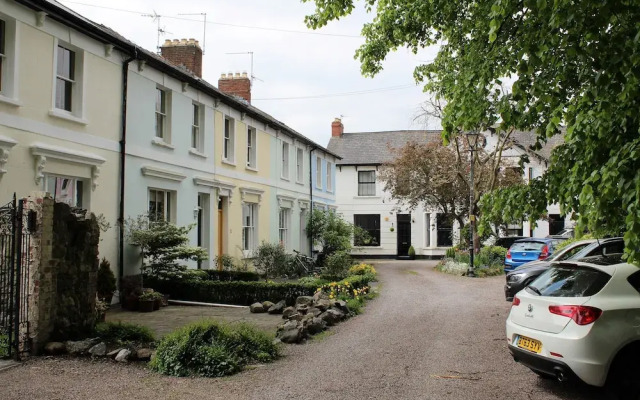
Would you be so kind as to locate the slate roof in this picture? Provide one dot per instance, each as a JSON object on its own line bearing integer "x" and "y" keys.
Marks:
{"x": 372, "y": 148}
{"x": 102, "y": 33}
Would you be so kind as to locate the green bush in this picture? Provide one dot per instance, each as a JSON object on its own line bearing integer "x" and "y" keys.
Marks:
{"x": 338, "y": 263}
{"x": 312, "y": 280}
{"x": 271, "y": 260}
{"x": 212, "y": 349}
{"x": 224, "y": 262}
{"x": 491, "y": 256}
{"x": 450, "y": 252}
{"x": 567, "y": 242}
{"x": 106, "y": 282}
{"x": 122, "y": 332}
{"x": 243, "y": 293}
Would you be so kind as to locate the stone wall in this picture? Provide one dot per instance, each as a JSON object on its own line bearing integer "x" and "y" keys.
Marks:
{"x": 63, "y": 272}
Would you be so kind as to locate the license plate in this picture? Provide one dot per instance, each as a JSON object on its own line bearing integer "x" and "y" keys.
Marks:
{"x": 529, "y": 344}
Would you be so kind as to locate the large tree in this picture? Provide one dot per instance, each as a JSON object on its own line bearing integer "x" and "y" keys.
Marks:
{"x": 437, "y": 177}
{"x": 571, "y": 62}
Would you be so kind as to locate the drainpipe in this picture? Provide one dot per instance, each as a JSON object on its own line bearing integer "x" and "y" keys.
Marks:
{"x": 310, "y": 233}
{"x": 123, "y": 146}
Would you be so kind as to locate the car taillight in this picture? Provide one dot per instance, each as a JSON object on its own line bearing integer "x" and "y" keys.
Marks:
{"x": 544, "y": 253}
{"x": 509, "y": 254}
{"x": 516, "y": 301}
{"x": 582, "y": 315}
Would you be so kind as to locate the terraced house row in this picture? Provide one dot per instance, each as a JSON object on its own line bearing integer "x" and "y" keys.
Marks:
{"x": 107, "y": 126}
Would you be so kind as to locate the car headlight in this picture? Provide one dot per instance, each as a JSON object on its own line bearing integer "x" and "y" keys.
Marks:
{"x": 515, "y": 277}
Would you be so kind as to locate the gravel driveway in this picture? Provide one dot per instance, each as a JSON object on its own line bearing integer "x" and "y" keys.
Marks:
{"x": 428, "y": 336}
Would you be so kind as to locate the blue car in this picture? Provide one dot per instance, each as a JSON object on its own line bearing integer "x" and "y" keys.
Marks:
{"x": 529, "y": 249}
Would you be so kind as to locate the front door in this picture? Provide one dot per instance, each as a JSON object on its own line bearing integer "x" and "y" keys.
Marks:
{"x": 404, "y": 234}
{"x": 220, "y": 230}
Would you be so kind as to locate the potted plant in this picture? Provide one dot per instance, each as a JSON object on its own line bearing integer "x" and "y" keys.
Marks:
{"x": 147, "y": 301}
{"x": 412, "y": 253}
{"x": 101, "y": 310}
{"x": 106, "y": 284}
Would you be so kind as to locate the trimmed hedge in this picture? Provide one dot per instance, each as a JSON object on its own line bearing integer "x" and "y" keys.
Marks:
{"x": 225, "y": 276}
{"x": 241, "y": 293}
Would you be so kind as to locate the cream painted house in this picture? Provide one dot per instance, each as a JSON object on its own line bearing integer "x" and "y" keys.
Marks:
{"x": 104, "y": 125}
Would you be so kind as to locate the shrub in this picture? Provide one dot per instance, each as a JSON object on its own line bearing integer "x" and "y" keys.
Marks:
{"x": 362, "y": 269}
{"x": 494, "y": 270}
{"x": 338, "y": 263}
{"x": 491, "y": 256}
{"x": 224, "y": 262}
{"x": 215, "y": 275}
{"x": 122, "y": 332}
{"x": 212, "y": 349}
{"x": 450, "y": 252}
{"x": 271, "y": 260}
{"x": 312, "y": 280}
{"x": 106, "y": 282}
{"x": 450, "y": 266}
{"x": 567, "y": 242}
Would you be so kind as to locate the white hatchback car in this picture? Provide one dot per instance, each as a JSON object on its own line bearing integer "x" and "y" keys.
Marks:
{"x": 581, "y": 320}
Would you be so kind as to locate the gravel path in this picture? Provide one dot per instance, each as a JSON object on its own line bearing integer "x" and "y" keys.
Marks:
{"x": 428, "y": 336}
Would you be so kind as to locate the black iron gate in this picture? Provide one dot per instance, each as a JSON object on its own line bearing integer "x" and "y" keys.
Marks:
{"x": 14, "y": 280}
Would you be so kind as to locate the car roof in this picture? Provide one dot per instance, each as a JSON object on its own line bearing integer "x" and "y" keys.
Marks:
{"x": 540, "y": 240}
{"x": 607, "y": 264}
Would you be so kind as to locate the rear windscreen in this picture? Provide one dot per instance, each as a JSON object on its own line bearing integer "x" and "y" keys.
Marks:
{"x": 574, "y": 281}
{"x": 527, "y": 246}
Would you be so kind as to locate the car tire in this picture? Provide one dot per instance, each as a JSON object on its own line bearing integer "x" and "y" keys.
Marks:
{"x": 623, "y": 376}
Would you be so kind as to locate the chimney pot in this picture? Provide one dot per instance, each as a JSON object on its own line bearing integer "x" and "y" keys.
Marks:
{"x": 337, "y": 129}
{"x": 237, "y": 84}
{"x": 167, "y": 42}
{"x": 182, "y": 53}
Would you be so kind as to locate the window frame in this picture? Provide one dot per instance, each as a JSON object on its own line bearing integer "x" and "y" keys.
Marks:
{"x": 249, "y": 227}
{"x": 284, "y": 227}
{"x": 8, "y": 62}
{"x": 252, "y": 145}
{"x": 68, "y": 78}
{"x": 329, "y": 179}
{"x": 363, "y": 221}
{"x": 168, "y": 197}
{"x": 284, "y": 165}
{"x": 318, "y": 173}
{"x": 197, "y": 127}
{"x": 299, "y": 165}
{"x": 228, "y": 140}
{"x": 369, "y": 183}
{"x": 162, "y": 114}
{"x": 81, "y": 185}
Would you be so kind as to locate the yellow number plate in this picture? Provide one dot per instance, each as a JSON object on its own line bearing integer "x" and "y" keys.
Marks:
{"x": 529, "y": 344}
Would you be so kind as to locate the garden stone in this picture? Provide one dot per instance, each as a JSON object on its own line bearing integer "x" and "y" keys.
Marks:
{"x": 99, "y": 350}
{"x": 123, "y": 355}
{"x": 113, "y": 353}
{"x": 55, "y": 348}
{"x": 331, "y": 317}
{"x": 143, "y": 354}
{"x": 291, "y": 332}
{"x": 338, "y": 312}
{"x": 296, "y": 317}
{"x": 79, "y": 347}
{"x": 277, "y": 308}
{"x": 256, "y": 308}
{"x": 289, "y": 311}
{"x": 320, "y": 296}
{"x": 316, "y": 325}
{"x": 314, "y": 311}
{"x": 341, "y": 305}
{"x": 323, "y": 304}
{"x": 304, "y": 300}
{"x": 302, "y": 309}
{"x": 267, "y": 305}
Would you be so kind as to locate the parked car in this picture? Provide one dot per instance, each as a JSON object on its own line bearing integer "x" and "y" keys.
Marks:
{"x": 507, "y": 241}
{"x": 521, "y": 276}
{"x": 579, "y": 320}
{"x": 529, "y": 249}
{"x": 566, "y": 233}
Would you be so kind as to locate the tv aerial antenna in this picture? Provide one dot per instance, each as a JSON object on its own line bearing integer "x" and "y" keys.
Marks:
{"x": 251, "y": 71}
{"x": 156, "y": 18}
{"x": 204, "y": 29}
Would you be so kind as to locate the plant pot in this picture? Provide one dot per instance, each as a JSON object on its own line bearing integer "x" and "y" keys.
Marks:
{"x": 165, "y": 300}
{"x": 156, "y": 304}
{"x": 130, "y": 303}
{"x": 146, "y": 305}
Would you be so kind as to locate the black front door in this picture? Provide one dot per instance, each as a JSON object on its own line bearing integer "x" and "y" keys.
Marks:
{"x": 404, "y": 234}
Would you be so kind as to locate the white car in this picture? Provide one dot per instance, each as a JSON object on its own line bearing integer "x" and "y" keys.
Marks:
{"x": 581, "y": 320}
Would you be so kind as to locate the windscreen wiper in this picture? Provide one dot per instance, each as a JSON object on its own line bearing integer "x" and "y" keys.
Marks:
{"x": 535, "y": 290}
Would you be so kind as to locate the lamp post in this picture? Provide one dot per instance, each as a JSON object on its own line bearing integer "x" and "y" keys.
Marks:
{"x": 472, "y": 140}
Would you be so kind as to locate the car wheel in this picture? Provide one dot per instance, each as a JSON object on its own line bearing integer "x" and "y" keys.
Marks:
{"x": 623, "y": 376}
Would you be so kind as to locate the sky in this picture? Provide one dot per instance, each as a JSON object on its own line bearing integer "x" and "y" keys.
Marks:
{"x": 304, "y": 78}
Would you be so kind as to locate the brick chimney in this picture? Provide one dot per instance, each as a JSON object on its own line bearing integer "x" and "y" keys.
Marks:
{"x": 337, "y": 129}
{"x": 237, "y": 85}
{"x": 186, "y": 53}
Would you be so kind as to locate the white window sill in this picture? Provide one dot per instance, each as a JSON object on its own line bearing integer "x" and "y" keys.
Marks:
{"x": 366, "y": 247}
{"x": 67, "y": 116}
{"x": 10, "y": 101}
{"x": 197, "y": 153}
{"x": 300, "y": 183}
{"x": 367, "y": 197}
{"x": 284, "y": 178}
{"x": 159, "y": 142}
{"x": 251, "y": 168}
{"x": 225, "y": 161}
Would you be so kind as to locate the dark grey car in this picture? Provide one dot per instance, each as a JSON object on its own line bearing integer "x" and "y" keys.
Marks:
{"x": 522, "y": 276}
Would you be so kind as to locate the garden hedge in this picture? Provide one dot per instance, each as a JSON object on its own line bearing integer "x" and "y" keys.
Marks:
{"x": 227, "y": 276}
{"x": 239, "y": 292}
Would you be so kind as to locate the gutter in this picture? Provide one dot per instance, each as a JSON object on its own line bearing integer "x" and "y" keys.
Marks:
{"x": 310, "y": 233}
{"x": 123, "y": 147}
